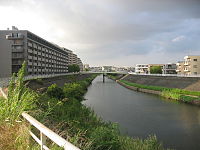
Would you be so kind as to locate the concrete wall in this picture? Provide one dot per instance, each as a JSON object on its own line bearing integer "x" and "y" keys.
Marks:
{"x": 5, "y": 56}
{"x": 189, "y": 83}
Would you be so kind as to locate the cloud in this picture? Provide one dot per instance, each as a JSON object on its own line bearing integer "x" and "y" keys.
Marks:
{"x": 179, "y": 38}
{"x": 110, "y": 31}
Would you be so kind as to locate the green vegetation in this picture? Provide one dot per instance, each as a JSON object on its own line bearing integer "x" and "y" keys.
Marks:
{"x": 171, "y": 93}
{"x": 55, "y": 92}
{"x": 73, "y": 68}
{"x": 19, "y": 98}
{"x": 61, "y": 110}
{"x": 156, "y": 88}
{"x": 156, "y": 70}
{"x": 80, "y": 125}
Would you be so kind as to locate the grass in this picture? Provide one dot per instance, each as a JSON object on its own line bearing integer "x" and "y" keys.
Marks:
{"x": 171, "y": 93}
{"x": 156, "y": 88}
{"x": 61, "y": 110}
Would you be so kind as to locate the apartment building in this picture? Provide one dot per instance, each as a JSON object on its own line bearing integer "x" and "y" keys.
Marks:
{"x": 42, "y": 57}
{"x": 142, "y": 68}
{"x": 80, "y": 64}
{"x": 169, "y": 68}
{"x": 191, "y": 65}
{"x": 180, "y": 67}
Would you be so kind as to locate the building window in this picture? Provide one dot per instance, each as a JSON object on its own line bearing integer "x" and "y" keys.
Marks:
{"x": 195, "y": 73}
{"x": 194, "y": 66}
{"x": 194, "y": 59}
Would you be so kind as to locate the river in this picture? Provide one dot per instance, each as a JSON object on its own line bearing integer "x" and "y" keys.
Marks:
{"x": 176, "y": 125}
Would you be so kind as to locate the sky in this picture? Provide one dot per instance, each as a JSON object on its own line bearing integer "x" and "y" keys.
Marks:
{"x": 111, "y": 32}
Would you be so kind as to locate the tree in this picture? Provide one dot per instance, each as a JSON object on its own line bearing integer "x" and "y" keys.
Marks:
{"x": 156, "y": 70}
{"x": 73, "y": 68}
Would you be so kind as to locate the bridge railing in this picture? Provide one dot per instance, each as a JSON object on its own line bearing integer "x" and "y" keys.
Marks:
{"x": 47, "y": 133}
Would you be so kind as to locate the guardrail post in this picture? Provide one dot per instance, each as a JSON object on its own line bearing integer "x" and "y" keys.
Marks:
{"x": 42, "y": 139}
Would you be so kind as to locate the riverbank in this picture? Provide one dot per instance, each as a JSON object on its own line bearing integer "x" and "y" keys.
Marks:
{"x": 190, "y": 97}
{"x": 61, "y": 110}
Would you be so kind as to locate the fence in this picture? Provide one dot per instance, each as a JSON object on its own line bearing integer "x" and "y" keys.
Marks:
{"x": 5, "y": 81}
{"x": 169, "y": 75}
{"x": 47, "y": 133}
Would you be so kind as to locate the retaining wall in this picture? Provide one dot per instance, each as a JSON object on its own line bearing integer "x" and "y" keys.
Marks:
{"x": 188, "y": 83}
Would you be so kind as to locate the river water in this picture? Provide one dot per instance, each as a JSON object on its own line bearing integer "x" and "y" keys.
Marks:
{"x": 176, "y": 125}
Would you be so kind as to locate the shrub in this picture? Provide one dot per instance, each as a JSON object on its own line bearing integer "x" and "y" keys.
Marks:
{"x": 73, "y": 90}
{"x": 55, "y": 92}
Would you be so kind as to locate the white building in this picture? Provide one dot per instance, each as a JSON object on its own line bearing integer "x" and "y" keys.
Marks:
{"x": 142, "y": 68}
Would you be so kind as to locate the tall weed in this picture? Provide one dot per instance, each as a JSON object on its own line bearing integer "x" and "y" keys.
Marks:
{"x": 19, "y": 98}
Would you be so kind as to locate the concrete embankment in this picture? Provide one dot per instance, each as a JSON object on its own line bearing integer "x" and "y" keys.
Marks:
{"x": 183, "y": 83}
{"x": 187, "y": 83}
{"x": 42, "y": 84}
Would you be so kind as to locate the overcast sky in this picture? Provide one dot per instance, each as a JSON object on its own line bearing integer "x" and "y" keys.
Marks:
{"x": 111, "y": 32}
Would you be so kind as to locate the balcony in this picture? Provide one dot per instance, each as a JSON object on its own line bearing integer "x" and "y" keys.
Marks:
{"x": 30, "y": 63}
{"x": 14, "y": 37}
{"x": 30, "y": 44}
{"x": 35, "y": 52}
{"x": 186, "y": 63}
{"x": 18, "y": 43}
{"x": 186, "y": 70}
{"x": 34, "y": 45}
{"x": 29, "y": 69}
{"x": 17, "y": 63}
{"x": 30, "y": 57}
{"x": 19, "y": 56}
{"x": 18, "y": 50}
{"x": 30, "y": 50}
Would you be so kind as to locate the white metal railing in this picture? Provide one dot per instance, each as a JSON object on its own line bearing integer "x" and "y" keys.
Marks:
{"x": 47, "y": 133}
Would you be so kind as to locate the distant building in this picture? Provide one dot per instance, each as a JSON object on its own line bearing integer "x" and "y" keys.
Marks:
{"x": 180, "y": 67}
{"x": 169, "y": 68}
{"x": 86, "y": 66}
{"x": 191, "y": 65}
{"x": 108, "y": 68}
{"x": 95, "y": 69}
{"x": 142, "y": 68}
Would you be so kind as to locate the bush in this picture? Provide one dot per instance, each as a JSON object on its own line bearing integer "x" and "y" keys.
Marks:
{"x": 73, "y": 90}
{"x": 55, "y": 92}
